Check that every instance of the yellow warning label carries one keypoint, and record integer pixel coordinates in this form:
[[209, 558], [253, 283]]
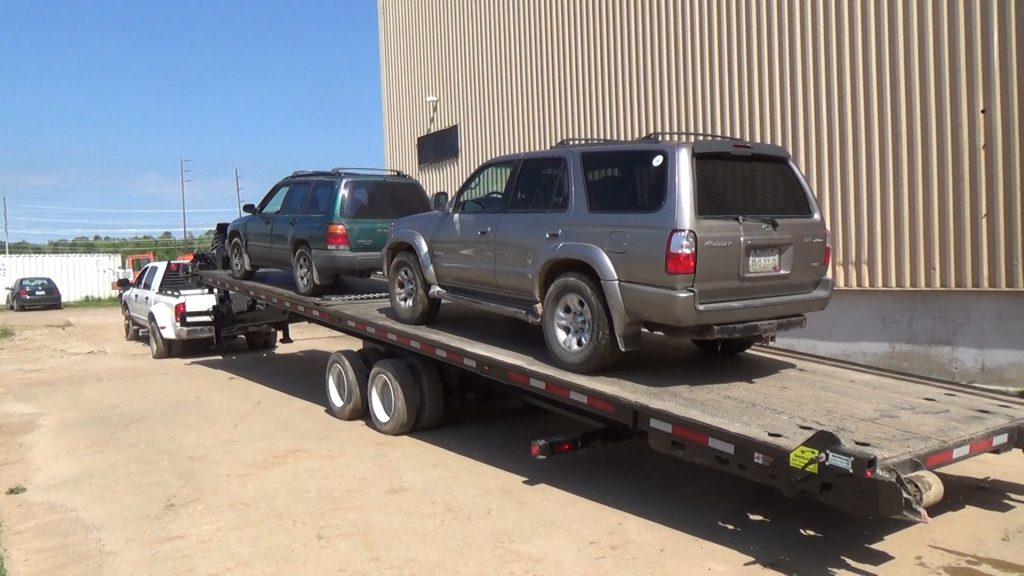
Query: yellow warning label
[[805, 459]]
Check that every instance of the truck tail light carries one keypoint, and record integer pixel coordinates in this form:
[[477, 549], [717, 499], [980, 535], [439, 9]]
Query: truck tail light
[[337, 237], [179, 311], [681, 252], [828, 249]]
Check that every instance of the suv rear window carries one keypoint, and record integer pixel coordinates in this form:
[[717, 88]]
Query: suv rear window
[[383, 200], [744, 186], [625, 180]]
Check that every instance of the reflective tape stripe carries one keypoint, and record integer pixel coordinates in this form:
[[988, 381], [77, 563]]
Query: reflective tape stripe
[[972, 449], [693, 436]]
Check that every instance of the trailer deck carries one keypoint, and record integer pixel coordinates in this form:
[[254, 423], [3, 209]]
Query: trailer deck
[[804, 424]]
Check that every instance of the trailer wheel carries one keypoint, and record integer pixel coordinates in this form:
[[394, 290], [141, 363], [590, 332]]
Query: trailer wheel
[[257, 340], [239, 271], [724, 347], [577, 327], [408, 291], [346, 380], [394, 397], [431, 392], [158, 347]]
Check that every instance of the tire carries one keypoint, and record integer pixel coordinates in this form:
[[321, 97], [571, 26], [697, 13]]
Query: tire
[[219, 249], [431, 392], [371, 355], [237, 259], [408, 292], [577, 327], [346, 379], [724, 347], [256, 340], [158, 347], [131, 331], [17, 307], [393, 397], [303, 270]]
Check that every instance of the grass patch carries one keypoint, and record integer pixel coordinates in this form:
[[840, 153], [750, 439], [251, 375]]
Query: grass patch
[[93, 302], [6, 331], [16, 489]]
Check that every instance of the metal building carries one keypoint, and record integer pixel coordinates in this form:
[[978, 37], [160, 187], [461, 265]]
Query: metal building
[[904, 115]]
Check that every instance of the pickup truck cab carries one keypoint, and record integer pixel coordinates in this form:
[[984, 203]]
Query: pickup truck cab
[[169, 303]]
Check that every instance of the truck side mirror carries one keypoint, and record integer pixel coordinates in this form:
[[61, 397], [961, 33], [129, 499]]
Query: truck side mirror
[[249, 208], [123, 284], [440, 201]]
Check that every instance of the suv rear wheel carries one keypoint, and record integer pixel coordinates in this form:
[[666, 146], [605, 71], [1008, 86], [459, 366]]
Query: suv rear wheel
[[408, 292], [577, 327], [237, 256], [305, 275]]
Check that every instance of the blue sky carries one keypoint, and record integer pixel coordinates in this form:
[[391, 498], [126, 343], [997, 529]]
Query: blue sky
[[101, 99]]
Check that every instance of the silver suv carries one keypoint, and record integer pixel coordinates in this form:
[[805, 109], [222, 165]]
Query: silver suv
[[714, 239]]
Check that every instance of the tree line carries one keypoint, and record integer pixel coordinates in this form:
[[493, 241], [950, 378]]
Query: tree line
[[164, 247]]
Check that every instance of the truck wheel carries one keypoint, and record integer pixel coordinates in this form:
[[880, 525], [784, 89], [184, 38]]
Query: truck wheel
[[257, 340], [408, 292], [393, 397], [431, 392], [158, 347], [131, 332], [302, 269], [577, 327], [725, 346], [346, 380], [237, 256]]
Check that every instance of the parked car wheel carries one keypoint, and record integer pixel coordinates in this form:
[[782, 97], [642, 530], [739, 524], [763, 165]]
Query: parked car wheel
[[237, 255], [408, 293], [304, 273], [724, 347], [17, 307], [346, 379], [393, 397], [577, 327]]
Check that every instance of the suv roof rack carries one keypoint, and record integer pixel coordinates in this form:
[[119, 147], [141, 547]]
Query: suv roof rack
[[661, 135], [308, 172], [351, 170], [579, 141]]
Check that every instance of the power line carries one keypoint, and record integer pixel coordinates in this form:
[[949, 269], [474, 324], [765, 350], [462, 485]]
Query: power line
[[38, 207], [38, 231]]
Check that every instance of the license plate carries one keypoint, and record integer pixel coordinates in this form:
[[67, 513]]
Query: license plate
[[764, 260], [40, 292]]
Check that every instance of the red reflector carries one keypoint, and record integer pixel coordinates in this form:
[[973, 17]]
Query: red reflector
[[563, 447], [179, 310], [337, 236], [173, 267], [534, 449], [869, 473], [681, 252]]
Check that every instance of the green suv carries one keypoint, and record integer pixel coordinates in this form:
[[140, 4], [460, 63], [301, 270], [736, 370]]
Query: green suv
[[321, 224]]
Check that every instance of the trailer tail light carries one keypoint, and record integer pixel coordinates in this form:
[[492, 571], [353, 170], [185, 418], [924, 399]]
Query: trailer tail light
[[337, 237], [179, 311], [828, 249], [681, 252]]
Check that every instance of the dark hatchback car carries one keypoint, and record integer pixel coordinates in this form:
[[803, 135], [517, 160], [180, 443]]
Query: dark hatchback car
[[33, 293], [323, 224]]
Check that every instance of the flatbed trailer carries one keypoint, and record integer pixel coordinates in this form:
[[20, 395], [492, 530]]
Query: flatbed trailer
[[862, 440]]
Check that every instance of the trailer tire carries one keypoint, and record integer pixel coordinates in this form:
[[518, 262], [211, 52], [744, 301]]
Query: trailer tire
[[724, 347], [346, 379], [239, 270], [158, 347], [257, 340], [431, 392], [393, 396], [408, 291], [577, 326]]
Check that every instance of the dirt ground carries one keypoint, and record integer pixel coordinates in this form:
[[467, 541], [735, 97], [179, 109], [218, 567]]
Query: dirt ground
[[227, 463]]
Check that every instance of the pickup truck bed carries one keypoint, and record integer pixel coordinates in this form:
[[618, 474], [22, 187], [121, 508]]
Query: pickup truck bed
[[807, 425]]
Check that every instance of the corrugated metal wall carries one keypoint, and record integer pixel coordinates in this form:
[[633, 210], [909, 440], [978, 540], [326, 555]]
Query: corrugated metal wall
[[76, 275], [905, 115]]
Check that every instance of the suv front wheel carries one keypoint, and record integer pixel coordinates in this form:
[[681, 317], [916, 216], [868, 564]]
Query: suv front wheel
[[577, 327], [408, 292]]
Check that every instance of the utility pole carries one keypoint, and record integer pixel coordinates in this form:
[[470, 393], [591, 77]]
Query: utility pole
[[7, 238], [238, 195], [184, 227]]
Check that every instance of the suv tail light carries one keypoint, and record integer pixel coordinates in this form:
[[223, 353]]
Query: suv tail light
[[337, 237], [828, 249], [681, 252], [179, 311]]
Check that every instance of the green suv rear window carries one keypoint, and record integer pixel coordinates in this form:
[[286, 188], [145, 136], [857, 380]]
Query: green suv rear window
[[748, 186], [383, 200], [625, 180]]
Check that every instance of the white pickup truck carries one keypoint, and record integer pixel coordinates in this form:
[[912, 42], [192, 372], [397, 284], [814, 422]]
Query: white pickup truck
[[172, 306]]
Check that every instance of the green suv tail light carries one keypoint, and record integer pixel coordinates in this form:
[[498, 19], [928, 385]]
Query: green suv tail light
[[681, 252], [337, 237]]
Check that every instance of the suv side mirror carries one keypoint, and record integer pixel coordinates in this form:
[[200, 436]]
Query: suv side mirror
[[249, 208], [123, 284], [440, 201]]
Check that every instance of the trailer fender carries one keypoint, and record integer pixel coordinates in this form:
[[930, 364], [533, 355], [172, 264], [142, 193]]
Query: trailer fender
[[405, 239]]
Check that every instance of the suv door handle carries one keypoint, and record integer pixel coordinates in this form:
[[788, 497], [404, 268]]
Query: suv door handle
[[292, 221], [553, 234], [483, 232]]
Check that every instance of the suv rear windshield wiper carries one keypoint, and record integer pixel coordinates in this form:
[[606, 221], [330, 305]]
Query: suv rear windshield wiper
[[741, 218]]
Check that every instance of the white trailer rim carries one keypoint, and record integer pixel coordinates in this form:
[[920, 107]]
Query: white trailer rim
[[333, 381], [382, 398]]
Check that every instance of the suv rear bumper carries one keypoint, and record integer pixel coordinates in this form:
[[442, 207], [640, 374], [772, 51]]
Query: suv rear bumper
[[645, 304], [331, 262]]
